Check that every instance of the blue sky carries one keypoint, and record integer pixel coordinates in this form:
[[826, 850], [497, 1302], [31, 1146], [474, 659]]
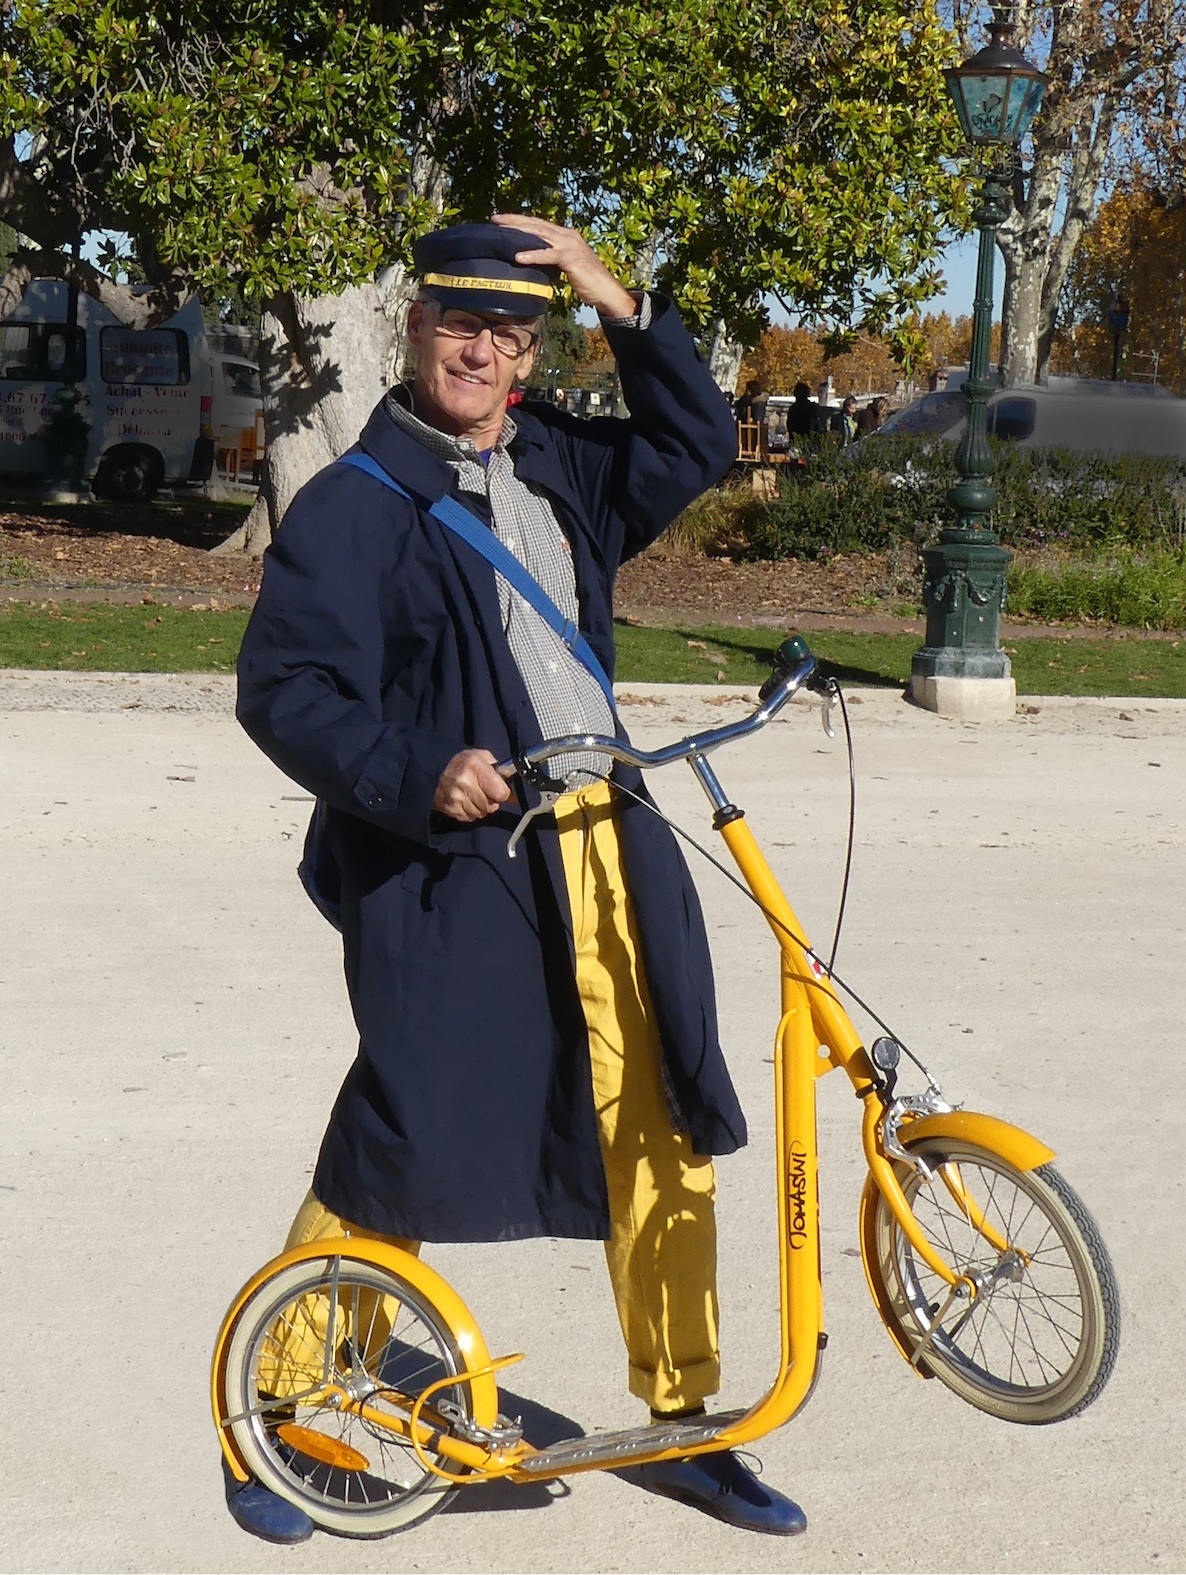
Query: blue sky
[[959, 268]]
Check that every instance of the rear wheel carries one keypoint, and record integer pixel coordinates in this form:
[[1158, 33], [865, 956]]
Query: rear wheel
[[311, 1333], [1038, 1342], [130, 475]]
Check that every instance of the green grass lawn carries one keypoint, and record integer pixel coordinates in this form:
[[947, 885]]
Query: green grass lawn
[[1041, 667], [157, 639], [94, 637]]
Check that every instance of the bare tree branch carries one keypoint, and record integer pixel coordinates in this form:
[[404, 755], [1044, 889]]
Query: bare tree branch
[[135, 306]]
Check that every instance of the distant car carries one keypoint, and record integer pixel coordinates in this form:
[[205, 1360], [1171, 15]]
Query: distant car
[[1083, 415], [238, 416]]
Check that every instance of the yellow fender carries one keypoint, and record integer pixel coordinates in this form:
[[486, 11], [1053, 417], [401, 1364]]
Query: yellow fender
[[969, 1126], [425, 1281], [1022, 1150]]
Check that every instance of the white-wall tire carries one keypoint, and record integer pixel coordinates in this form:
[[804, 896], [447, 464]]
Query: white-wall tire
[[395, 1491]]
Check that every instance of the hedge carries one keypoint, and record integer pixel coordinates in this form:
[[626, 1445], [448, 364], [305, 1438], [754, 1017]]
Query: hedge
[[889, 489]]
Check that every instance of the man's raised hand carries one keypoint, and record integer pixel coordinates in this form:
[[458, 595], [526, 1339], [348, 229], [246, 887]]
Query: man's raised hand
[[569, 251]]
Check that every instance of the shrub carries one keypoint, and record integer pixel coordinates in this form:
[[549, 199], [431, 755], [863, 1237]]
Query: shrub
[[852, 501], [719, 521], [1085, 501], [890, 489], [1141, 590]]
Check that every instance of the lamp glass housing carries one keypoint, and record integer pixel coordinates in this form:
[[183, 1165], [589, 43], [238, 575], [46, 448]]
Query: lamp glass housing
[[997, 92]]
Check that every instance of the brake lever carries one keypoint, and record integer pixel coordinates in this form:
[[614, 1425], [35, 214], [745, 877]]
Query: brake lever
[[829, 699], [548, 788], [547, 801]]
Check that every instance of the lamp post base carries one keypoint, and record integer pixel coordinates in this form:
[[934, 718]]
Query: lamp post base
[[961, 672], [965, 699]]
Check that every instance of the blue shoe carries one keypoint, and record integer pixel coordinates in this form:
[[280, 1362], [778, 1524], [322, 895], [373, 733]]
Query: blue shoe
[[256, 1509], [721, 1485]]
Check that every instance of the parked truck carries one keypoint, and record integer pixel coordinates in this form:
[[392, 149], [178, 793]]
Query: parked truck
[[140, 405]]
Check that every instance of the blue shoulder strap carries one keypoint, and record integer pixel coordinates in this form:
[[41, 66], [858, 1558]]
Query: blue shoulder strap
[[462, 523]]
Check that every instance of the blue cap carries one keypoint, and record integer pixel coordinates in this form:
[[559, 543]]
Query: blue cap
[[473, 266]]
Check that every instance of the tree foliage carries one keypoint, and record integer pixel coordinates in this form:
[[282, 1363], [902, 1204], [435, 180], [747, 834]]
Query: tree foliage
[[861, 364], [1135, 249], [786, 356], [729, 148], [1114, 67]]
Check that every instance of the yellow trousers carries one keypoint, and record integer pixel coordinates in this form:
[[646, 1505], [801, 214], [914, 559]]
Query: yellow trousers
[[662, 1249]]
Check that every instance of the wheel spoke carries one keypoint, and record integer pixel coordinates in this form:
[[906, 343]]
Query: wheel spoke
[[1030, 1345], [369, 1320]]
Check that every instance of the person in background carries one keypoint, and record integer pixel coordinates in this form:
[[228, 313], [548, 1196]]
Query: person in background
[[849, 421], [751, 405], [871, 418], [749, 412], [803, 418]]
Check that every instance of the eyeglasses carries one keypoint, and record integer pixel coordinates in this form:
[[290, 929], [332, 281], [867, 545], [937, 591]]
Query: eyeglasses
[[510, 339]]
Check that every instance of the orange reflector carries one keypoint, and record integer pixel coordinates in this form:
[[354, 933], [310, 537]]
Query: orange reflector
[[330, 1451]]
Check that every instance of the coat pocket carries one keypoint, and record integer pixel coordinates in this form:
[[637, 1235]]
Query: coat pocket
[[421, 881]]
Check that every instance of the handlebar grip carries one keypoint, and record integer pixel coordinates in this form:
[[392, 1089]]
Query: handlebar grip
[[787, 657]]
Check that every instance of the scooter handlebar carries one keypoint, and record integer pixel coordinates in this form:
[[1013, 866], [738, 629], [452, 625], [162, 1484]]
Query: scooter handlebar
[[794, 670]]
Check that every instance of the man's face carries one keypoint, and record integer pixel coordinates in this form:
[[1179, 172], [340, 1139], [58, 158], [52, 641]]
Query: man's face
[[462, 384]]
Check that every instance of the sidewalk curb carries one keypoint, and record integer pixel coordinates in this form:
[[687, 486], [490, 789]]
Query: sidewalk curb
[[213, 694]]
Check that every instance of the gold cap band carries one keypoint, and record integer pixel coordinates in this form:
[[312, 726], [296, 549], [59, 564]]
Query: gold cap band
[[456, 281]]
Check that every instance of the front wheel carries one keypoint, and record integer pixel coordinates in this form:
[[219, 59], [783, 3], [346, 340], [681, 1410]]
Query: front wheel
[[1038, 1342], [314, 1337]]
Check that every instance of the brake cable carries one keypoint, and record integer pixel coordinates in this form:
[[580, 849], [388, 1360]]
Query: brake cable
[[773, 918], [835, 689]]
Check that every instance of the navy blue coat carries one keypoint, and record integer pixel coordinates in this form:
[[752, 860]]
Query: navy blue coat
[[376, 653]]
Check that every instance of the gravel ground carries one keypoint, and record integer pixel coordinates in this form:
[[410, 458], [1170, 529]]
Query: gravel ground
[[173, 1028], [208, 694], [685, 706]]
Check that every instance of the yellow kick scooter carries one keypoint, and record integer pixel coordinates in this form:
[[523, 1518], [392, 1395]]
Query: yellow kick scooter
[[351, 1380]]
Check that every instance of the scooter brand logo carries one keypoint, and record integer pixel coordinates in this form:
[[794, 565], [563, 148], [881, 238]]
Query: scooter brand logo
[[798, 1196]]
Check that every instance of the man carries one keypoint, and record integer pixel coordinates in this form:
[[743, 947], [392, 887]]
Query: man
[[749, 412], [751, 405], [803, 417], [538, 1049]]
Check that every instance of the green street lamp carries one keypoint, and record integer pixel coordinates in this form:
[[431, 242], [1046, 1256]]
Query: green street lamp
[[961, 670]]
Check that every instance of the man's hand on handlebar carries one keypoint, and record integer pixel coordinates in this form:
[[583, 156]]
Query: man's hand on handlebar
[[470, 788]]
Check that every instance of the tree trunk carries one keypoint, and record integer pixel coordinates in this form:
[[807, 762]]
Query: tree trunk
[[323, 364], [397, 291], [724, 360], [1083, 184], [1039, 238], [1025, 241]]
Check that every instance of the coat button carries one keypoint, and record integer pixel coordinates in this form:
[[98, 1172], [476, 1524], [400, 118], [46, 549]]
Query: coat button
[[376, 801]]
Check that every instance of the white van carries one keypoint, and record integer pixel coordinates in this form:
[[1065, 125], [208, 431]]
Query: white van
[[1084, 415], [146, 394]]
